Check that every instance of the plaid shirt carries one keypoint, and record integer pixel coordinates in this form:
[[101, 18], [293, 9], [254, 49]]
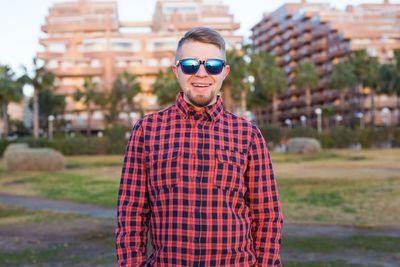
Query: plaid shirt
[[202, 182]]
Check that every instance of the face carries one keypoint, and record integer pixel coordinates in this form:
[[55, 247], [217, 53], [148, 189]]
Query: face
[[200, 89]]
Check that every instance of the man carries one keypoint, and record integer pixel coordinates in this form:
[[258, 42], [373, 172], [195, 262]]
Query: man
[[197, 176]]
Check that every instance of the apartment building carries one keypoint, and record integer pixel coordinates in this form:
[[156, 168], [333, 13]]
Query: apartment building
[[86, 39], [316, 32]]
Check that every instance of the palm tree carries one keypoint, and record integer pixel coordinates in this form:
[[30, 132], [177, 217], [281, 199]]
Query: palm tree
[[234, 86], [10, 91], [40, 80], [306, 78], [123, 91], [373, 81], [342, 76], [269, 80], [89, 96], [166, 87], [390, 78]]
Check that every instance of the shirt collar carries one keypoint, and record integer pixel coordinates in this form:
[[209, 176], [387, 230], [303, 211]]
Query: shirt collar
[[214, 110]]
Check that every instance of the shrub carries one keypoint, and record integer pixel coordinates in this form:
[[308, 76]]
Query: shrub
[[14, 147], [33, 159], [343, 137], [325, 140], [272, 135], [304, 145], [300, 132], [376, 137], [116, 138], [3, 145], [396, 137]]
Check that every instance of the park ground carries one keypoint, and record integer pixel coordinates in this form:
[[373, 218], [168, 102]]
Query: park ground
[[341, 208]]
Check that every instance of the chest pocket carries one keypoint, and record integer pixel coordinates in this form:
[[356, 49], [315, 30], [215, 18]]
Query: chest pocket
[[229, 170], [164, 168]]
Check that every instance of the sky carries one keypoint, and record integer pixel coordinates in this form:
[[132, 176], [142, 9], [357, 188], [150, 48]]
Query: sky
[[20, 21]]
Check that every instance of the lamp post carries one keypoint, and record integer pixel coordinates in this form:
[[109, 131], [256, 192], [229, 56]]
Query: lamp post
[[318, 111], [386, 116], [303, 120], [338, 119], [288, 122], [361, 117], [51, 119]]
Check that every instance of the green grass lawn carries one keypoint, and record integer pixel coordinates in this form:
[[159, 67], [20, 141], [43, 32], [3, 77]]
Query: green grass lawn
[[337, 186]]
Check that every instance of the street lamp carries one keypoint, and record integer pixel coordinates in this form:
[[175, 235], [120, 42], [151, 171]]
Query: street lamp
[[51, 119], [386, 116], [361, 117], [338, 119], [318, 111], [303, 120], [288, 122]]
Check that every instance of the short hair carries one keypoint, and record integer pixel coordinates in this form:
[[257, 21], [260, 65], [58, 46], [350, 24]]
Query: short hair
[[202, 35]]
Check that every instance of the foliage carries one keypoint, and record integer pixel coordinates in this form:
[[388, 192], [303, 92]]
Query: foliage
[[375, 137], [342, 137], [272, 135], [120, 99], [306, 75], [10, 91], [40, 80], [237, 74], [116, 137], [166, 87]]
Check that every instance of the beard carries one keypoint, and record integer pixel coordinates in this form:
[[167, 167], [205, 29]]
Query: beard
[[201, 101]]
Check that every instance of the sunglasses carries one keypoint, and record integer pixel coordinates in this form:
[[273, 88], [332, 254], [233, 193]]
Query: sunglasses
[[191, 66]]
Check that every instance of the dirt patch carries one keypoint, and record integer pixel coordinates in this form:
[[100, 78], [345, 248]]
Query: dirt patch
[[80, 242]]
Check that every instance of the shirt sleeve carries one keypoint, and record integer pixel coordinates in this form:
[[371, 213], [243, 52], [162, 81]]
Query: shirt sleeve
[[262, 198], [133, 205]]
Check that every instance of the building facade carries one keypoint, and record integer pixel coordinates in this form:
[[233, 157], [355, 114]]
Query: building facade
[[316, 32], [87, 39]]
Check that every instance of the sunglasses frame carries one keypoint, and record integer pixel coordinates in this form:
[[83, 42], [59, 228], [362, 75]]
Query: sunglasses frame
[[179, 62]]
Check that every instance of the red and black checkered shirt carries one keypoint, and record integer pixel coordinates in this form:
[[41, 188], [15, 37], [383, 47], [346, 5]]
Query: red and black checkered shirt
[[202, 182]]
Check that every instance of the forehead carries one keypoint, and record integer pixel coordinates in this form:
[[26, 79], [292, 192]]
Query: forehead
[[198, 50]]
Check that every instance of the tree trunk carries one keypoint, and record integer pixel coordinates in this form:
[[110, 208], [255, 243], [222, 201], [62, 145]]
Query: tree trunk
[[89, 119], [243, 102], [35, 113], [274, 108], [5, 119], [398, 108], [372, 108], [308, 106], [342, 102]]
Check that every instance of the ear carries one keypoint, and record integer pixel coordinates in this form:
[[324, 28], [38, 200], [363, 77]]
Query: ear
[[226, 71], [175, 70]]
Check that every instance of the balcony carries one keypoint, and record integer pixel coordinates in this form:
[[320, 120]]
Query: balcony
[[320, 45], [319, 58], [76, 71]]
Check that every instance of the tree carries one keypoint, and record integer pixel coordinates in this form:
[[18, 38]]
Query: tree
[[342, 76], [234, 86], [269, 80], [89, 97], [10, 91], [120, 99], [390, 77], [40, 80], [166, 87], [306, 78], [50, 104]]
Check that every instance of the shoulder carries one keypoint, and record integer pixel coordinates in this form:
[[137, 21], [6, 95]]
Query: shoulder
[[156, 116], [242, 122]]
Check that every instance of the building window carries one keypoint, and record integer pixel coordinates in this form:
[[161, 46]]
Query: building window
[[57, 47], [95, 63], [94, 45]]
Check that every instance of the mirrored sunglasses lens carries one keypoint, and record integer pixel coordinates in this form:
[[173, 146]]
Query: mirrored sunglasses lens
[[190, 66], [214, 66]]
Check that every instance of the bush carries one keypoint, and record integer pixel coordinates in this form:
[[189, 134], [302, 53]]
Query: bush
[[325, 140], [377, 137], [304, 145], [116, 138], [396, 137], [343, 137], [22, 158], [272, 135], [3, 145]]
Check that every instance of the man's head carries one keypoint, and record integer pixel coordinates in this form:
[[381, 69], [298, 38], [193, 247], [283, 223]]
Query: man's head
[[201, 78]]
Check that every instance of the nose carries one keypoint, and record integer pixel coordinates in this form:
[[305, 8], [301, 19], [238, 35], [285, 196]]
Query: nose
[[202, 71]]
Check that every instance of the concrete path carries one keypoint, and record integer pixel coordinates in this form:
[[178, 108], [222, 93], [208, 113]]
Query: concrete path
[[35, 203]]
